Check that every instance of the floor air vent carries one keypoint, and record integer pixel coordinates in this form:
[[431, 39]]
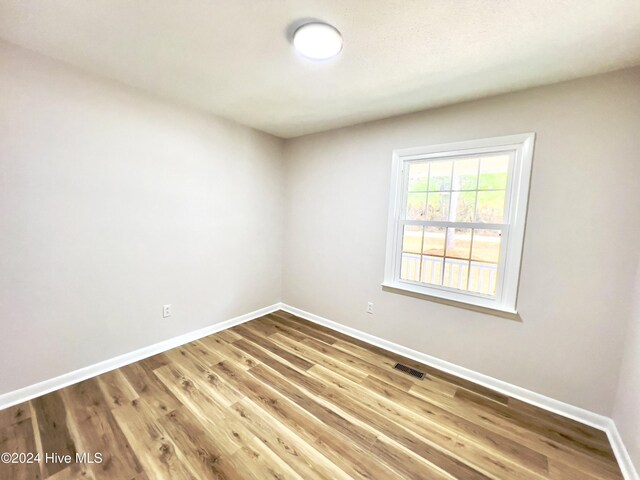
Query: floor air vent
[[410, 371]]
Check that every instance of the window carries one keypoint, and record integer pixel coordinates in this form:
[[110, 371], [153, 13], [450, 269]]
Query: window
[[457, 218]]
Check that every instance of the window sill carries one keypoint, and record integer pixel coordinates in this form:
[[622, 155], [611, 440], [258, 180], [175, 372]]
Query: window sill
[[453, 299]]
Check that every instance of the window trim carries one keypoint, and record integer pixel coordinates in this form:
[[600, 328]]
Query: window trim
[[521, 146]]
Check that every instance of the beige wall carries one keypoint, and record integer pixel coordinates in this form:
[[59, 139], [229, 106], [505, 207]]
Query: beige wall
[[626, 412], [580, 250], [113, 204]]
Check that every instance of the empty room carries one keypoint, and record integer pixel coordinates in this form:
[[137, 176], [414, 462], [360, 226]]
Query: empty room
[[329, 239]]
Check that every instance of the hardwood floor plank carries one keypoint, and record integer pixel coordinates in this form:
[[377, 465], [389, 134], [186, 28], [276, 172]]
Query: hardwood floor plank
[[317, 357], [228, 336], [552, 432], [381, 353], [467, 385], [330, 418], [203, 453], [147, 386], [337, 448], [291, 448], [585, 432], [488, 418], [285, 316], [281, 327], [356, 460], [272, 348], [389, 361], [262, 328], [466, 429], [409, 466], [201, 353], [116, 389], [309, 331], [155, 450], [12, 415], [265, 464], [51, 418], [562, 471], [18, 438], [356, 432], [223, 348], [203, 372], [155, 361], [392, 377], [141, 476], [204, 404], [73, 472], [95, 431], [438, 445]]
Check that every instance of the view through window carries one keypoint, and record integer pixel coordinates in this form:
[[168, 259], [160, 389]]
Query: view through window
[[460, 206], [456, 220]]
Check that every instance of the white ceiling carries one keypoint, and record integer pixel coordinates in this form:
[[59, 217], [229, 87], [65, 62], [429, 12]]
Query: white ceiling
[[233, 58]]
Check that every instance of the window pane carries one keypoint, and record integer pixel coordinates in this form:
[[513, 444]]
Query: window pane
[[412, 239], [410, 269], [440, 176], [458, 243], [486, 245], [493, 172], [490, 207], [438, 206], [483, 278], [431, 270], [433, 241], [465, 174], [416, 206], [418, 176], [463, 206], [455, 273]]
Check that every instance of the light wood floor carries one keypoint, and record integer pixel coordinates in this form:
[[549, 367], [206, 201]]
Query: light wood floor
[[281, 398]]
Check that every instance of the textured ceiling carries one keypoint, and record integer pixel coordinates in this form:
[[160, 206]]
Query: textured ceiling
[[233, 57]]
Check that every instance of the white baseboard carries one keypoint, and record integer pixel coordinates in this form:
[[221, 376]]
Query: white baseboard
[[561, 408], [32, 391], [622, 455]]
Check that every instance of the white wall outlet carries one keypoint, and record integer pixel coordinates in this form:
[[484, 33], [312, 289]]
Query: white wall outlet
[[166, 311], [370, 307]]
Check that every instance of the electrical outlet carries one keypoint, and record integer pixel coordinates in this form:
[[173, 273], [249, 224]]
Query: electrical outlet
[[166, 311], [370, 307]]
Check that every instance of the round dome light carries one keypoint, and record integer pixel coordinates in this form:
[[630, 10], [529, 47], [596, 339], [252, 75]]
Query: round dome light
[[317, 41]]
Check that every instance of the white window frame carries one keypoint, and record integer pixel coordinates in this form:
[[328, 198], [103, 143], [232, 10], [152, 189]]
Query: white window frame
[[520, 148]]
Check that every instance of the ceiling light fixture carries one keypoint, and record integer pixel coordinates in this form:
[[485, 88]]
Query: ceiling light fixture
[[317, 41]]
